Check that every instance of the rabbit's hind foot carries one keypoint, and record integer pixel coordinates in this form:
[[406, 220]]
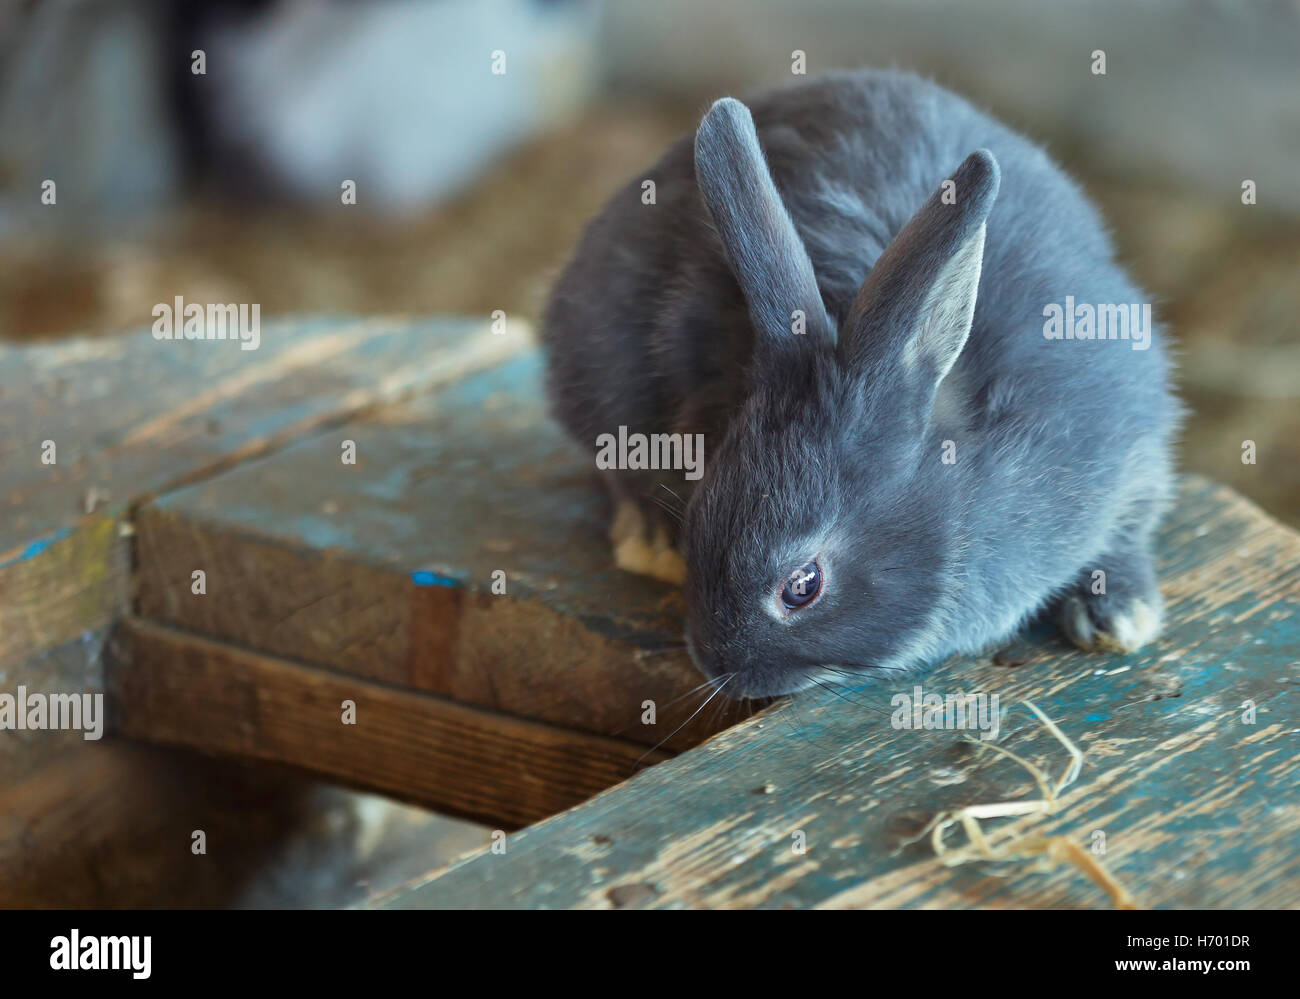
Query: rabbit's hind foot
[[642, 544]]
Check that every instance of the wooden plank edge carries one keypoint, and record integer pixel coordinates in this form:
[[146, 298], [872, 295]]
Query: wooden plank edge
[[334, 609], [61, 587], [172, 687]]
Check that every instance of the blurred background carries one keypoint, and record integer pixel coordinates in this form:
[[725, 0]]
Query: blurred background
[[200, 149]]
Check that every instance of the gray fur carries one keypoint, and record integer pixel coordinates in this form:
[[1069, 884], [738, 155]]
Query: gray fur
[[830, 444]]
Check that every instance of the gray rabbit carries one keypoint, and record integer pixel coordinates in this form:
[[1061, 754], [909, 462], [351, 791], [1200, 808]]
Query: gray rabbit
[[927, 409]]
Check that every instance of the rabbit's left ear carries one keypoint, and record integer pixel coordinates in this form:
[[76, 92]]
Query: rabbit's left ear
[[767, 256], [913, 313]]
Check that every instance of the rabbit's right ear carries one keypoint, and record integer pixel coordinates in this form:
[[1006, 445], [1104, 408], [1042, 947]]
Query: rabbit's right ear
[[767, 256]]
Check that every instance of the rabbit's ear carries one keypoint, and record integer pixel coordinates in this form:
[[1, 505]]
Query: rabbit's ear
[[913, 313], [767, 256]]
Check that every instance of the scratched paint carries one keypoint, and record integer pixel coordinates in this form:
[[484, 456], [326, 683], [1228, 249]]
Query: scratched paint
[[37, 547], [424, 578], [518, 378], [1197, 810], [418, 499]]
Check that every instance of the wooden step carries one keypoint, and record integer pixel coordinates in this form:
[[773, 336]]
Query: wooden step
[[456, 576], [131, 417], [464, 555]]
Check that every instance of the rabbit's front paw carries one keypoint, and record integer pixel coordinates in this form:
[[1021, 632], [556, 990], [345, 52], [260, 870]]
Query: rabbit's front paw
[[643, 545], [1125, 616]]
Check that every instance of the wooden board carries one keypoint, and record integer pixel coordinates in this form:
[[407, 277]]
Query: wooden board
[[61, 588], [166, 686], [1197, 808], [377, 572], [72, 667], [131, 417], [385, 569]]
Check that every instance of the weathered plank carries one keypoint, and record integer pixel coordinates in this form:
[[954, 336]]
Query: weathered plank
[[386, 568], [60, 588], [73, 667], [129, 417], [1197, 807], [170, 687]]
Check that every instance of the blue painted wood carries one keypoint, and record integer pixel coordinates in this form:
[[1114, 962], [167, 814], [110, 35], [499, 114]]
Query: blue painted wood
[[130, 417], [392, 568], [1190, 777]]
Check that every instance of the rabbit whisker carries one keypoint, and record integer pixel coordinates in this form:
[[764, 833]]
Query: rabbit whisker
[[674, 495], [675, 514], [716, 692]]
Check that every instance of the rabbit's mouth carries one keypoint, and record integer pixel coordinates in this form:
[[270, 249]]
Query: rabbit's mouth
[[769, 682], [749, 685], [763, 681]]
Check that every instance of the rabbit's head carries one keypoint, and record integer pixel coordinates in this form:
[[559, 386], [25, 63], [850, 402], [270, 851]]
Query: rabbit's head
[[814, 547]]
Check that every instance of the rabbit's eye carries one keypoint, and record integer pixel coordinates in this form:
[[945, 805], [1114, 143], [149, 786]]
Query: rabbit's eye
[[803, 586]]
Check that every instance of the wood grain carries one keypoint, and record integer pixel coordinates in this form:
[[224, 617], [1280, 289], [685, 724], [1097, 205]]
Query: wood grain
[[1198, 808], [167, 686], [132, 417], [386, 568], [73, 585]]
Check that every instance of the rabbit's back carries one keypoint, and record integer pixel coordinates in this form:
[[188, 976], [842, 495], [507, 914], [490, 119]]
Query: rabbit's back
[[647, 326]]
